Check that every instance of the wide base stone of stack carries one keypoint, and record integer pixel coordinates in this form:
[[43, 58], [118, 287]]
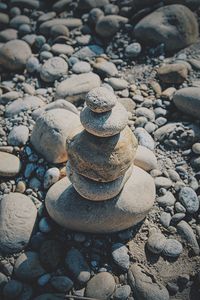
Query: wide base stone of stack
[[70, 210]]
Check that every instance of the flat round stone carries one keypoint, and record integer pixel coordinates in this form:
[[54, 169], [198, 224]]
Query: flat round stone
[[100, 100], [105, 124], [102, 159], [94, 190], [67, 208], [9, 165]]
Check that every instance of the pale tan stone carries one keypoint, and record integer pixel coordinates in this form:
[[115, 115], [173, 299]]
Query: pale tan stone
[[51, 132], [102, 159]]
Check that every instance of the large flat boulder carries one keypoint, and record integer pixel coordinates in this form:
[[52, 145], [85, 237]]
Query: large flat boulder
[[67, 208]]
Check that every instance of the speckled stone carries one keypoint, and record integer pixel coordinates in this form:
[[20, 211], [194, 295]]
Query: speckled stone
[[105, 124], [100, 100]]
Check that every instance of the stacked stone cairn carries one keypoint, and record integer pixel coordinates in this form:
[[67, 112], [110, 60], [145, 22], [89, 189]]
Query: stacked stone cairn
[[104, 192]]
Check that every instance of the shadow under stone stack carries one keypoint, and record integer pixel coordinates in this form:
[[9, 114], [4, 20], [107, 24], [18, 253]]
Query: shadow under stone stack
[[104, 191]]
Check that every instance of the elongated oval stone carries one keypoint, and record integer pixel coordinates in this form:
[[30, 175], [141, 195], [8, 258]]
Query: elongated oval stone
[[94, 190], [10, 165], [17, 220]]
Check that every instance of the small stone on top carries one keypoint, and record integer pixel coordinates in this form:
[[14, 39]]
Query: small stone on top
[[100, 100]]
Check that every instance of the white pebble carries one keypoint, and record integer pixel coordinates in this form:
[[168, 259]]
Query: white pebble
[[51, 176]]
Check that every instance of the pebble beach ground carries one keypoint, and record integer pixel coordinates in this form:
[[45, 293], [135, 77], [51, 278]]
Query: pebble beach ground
[[52, 53]]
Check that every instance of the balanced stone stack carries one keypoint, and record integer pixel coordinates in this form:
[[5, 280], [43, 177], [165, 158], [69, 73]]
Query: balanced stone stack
[[104, 191]]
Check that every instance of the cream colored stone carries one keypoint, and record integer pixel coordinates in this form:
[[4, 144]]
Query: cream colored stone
[[10, 165], [145, 159], [102, 159], [51, 132]]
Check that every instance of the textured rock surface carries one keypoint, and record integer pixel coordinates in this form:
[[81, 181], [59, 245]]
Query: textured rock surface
[[173, 25], [7, 35], [120, 256], [18, 136], [144, 138], [144, 287], [123, 211], [173, 248], [105, 124], [17, 220], [52, 128], [100, 99], [107, 165]]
